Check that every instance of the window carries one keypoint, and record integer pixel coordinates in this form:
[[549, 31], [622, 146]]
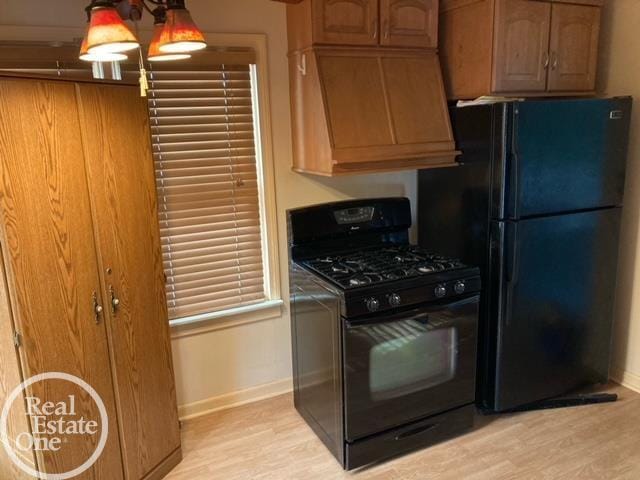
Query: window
[[206, 143]]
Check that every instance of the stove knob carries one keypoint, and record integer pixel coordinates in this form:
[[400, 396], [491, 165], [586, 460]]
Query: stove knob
[[372, 304], [440, 291], [394, 300], [460, 287]]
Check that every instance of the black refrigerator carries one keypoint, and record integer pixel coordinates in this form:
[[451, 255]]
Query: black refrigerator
[[536, 204]]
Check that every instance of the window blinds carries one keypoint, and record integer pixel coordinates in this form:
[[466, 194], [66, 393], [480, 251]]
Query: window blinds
[[202, 126]]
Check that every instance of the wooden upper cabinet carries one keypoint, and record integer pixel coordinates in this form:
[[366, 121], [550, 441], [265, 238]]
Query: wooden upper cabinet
[[575, 30], [409, 23], [369, 110], [349, 22], [394, 23], [521, 46]]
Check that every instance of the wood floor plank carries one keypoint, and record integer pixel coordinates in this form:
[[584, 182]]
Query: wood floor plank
[[268, 440]]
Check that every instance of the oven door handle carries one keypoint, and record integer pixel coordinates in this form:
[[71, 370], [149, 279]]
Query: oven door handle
[[418, 314]]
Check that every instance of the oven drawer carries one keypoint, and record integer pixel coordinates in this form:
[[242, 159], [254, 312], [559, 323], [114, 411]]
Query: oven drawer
[[410, 437]]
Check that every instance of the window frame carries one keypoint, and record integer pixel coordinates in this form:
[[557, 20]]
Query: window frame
[[272, 306]]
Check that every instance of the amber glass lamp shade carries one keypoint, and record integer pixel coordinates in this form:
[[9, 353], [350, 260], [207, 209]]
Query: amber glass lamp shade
[[155, 55], [99, 57], [180, 34], [108, 33]]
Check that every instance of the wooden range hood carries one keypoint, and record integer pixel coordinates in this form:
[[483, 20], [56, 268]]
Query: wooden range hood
[[363, 108]]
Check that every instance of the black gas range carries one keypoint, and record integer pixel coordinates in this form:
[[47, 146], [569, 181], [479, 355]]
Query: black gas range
[[384, 332]]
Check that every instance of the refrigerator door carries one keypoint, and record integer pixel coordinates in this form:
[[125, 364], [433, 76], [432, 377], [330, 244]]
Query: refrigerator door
[[566, 155], [554, 305]]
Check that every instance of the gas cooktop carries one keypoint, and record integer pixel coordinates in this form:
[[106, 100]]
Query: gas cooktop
[[381, 264]]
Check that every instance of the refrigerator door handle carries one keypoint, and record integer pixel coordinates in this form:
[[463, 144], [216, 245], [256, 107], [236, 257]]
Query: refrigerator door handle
[[514, 168], [512, 268], [514, 181]]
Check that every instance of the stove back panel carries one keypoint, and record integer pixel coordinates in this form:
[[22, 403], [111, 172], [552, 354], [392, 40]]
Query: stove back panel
[[343, 225]]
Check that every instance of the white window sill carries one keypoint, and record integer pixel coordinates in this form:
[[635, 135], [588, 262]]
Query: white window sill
[[209, 322]]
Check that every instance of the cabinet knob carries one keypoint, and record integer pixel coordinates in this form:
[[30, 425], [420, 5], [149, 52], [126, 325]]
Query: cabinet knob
[[115, 301], [302, 66], [97, 308]]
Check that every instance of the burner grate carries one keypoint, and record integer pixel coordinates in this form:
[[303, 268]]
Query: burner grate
[[381, 265]]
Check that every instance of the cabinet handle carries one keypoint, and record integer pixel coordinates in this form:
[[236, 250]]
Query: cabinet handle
[[115, 301], [386, 29], [302, 66], [97, 308], [546, 60], [554, 65], [374, 27]]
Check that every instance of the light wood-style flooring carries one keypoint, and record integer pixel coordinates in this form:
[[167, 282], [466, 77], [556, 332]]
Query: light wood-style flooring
[[267, 440]]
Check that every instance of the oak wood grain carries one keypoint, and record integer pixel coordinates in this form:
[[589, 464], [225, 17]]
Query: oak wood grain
[[519, 48], [50, 259], [409, 23], [466, 48], [368, 109], [345, 22], [521, 41], [117, 147], [575, 32], [10, 378]]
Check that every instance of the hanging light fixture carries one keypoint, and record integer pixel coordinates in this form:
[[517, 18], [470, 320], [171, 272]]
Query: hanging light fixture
[[107, 31], [155, 55], [180, 33], [99, 56]]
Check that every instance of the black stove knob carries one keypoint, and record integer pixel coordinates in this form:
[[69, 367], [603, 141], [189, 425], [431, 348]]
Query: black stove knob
[[394, 300], [460, 287], [372, 304], [440, 291]]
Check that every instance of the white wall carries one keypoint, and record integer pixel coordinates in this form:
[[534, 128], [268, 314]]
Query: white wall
[[222, 362], [620, 75]]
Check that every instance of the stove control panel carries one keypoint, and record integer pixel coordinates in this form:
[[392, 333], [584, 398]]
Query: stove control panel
[[406, 297]]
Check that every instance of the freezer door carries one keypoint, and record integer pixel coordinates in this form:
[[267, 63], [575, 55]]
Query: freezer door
[[566, 155], [555, 305]]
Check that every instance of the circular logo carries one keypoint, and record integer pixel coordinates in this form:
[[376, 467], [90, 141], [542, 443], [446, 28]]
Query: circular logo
[[36, 408]]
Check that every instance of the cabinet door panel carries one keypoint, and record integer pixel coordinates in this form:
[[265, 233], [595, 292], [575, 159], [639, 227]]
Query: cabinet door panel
[[121, 177], [418, 108], [346, 22], [49, 252], [574, 47], [350, 83], [410, 23], [521, 46]]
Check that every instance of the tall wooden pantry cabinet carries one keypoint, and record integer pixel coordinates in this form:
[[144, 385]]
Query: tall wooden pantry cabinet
[[82, 283]]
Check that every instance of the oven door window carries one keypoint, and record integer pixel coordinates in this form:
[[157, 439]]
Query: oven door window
[[408, 357]]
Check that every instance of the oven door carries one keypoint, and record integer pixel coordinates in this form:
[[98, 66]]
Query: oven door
[[405, 366]]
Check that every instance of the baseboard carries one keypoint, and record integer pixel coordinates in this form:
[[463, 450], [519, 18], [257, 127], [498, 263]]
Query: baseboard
[[626, 379], [235, 399]]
